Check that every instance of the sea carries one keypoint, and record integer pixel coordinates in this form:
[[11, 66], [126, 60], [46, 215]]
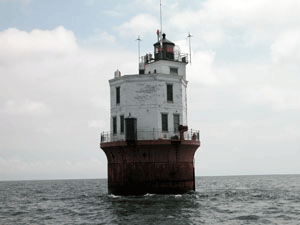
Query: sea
[[268, 199]]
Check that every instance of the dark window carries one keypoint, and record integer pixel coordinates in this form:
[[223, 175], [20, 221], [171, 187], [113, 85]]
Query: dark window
[[164, 122], [173, 70], [114, 125], [122, 124], [176, 119], [169, 92], [118, 95]]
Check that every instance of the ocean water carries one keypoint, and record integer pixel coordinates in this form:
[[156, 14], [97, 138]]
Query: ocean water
[[273, 199]]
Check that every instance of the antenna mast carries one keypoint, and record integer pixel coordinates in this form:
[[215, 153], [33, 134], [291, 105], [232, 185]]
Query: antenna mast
[[139, 50], [160, 33], [190, 46], [160, 18]]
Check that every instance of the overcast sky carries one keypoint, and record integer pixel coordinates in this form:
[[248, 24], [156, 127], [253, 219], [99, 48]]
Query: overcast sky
[[56, 58]]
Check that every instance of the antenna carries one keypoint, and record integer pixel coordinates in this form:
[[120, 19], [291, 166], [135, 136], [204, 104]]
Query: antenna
[[139, 50], [160, 33], [160, 18], [190, 46]]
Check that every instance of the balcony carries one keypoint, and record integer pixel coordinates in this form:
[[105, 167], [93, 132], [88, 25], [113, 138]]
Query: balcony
[[143, 134], [176, 57]]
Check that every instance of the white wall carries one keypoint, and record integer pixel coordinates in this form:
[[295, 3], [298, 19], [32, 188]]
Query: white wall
[[145, 97], [163, 66]]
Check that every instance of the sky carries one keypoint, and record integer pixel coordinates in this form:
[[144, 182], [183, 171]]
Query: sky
[[56, 58]]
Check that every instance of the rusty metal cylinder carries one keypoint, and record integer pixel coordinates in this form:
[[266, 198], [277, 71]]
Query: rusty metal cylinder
[[158, 166]]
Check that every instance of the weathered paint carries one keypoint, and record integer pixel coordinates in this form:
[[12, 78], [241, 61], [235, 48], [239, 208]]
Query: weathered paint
[[145, 97], [157, 166]]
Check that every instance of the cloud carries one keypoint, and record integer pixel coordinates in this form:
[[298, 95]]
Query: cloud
[[202, 69], [26, 107], [238, 124], [101, 38], [54, 98], [97, 124], [113, 13], [276, 97], [286, 48], [292, 132], [242, 90], [255, 21], [16, 44], [25, 2], [139, 24], [89, 2]]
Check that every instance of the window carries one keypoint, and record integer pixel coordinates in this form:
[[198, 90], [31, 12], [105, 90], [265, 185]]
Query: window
[[164, 122], [114, 125], [169, 92], [118, 95], [173, 70], [176, 120], [122, 124]]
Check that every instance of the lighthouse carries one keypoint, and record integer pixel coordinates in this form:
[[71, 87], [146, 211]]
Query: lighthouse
[[149, 147]]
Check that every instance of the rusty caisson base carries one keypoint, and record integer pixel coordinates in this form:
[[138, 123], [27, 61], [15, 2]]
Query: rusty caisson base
[[150, 166]]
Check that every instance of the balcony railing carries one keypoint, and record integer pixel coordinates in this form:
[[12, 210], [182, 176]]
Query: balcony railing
[[177, 58], [151, 135]]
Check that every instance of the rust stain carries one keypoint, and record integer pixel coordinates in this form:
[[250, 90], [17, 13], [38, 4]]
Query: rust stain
[[156, 166]]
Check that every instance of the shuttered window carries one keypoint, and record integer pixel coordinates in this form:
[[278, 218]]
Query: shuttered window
[[114, 125], [164, 122], [118, 95], [173, 70], [122, 124], [169, 92]]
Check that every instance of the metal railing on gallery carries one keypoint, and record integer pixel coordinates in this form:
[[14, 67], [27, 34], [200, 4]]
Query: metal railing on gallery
[[151, 135]]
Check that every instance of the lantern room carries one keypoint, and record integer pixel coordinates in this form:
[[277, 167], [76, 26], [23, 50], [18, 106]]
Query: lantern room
[[164, 49]]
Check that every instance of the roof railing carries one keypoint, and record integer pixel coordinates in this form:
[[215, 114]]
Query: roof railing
[[177, 58], [151, 135]]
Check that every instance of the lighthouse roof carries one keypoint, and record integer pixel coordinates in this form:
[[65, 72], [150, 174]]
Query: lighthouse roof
[[164, 41]]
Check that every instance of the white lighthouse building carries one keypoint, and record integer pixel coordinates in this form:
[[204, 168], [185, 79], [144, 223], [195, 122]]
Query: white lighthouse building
[[149, 147], [156, 97]]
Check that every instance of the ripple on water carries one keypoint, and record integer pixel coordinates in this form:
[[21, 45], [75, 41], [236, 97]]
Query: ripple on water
[[218, 200], [247, 217]]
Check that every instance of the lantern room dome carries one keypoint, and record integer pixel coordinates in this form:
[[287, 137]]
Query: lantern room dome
[[164, 41]]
